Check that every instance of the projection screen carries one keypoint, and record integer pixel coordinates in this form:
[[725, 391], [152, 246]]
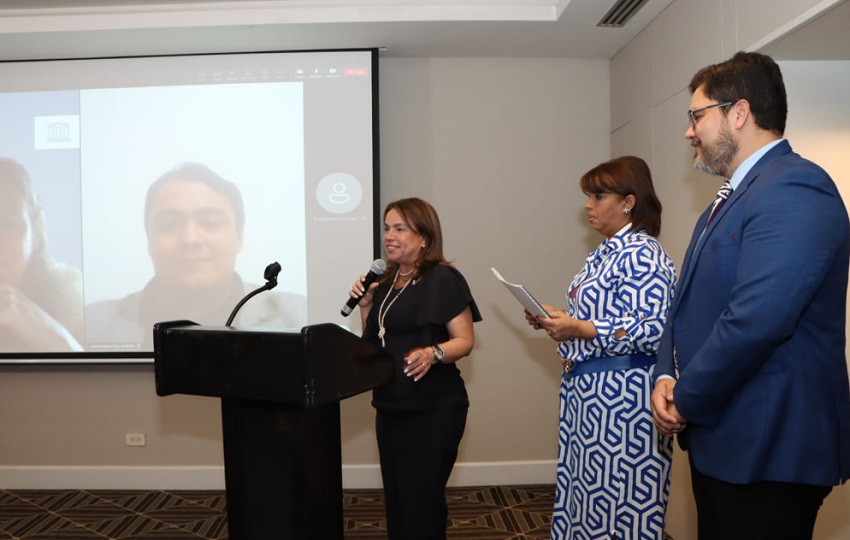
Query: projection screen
[[146, 189]]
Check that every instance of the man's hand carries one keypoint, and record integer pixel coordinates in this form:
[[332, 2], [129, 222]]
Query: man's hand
[[31, 324], [667, 418]]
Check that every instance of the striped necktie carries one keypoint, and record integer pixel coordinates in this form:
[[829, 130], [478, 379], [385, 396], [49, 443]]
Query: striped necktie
[[722, 195]]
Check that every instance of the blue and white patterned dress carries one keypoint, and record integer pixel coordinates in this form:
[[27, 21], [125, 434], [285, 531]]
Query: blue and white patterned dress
[[613, 465]]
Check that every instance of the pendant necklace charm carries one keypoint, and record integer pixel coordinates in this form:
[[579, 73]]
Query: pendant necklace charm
[[382, 313]]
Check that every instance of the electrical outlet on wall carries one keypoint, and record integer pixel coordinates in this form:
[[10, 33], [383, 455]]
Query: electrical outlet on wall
[[134, 439]]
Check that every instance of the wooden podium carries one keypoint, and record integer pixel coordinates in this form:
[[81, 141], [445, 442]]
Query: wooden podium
[[280, 394]]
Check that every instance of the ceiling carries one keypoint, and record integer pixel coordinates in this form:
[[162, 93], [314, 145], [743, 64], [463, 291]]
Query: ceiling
[[36, 29], [32, 29]]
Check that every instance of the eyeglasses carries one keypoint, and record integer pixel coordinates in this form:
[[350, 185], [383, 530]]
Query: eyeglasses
[[692, 112]]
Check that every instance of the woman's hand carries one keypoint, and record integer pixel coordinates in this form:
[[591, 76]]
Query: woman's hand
[[417, 362], [358, 290], [532, 320], [365, 295], [560, 326], [557, 325]]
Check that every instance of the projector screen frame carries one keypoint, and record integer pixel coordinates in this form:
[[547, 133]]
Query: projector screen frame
[[146, 357]]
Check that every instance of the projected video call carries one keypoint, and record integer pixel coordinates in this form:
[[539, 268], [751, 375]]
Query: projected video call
[[123, 205]]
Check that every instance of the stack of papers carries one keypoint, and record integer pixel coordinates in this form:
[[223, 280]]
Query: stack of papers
[[525, 298]]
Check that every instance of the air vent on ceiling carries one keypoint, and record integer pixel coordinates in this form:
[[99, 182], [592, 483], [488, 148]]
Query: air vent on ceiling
[[620, 13]]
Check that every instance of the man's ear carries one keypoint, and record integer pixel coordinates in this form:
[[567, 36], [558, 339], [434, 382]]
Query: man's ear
[[741, 113]]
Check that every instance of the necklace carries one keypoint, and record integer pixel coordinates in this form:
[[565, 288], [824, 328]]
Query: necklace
[[382, 313], [405, 274]]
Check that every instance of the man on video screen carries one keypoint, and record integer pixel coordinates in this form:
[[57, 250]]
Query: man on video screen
[[194, 221]]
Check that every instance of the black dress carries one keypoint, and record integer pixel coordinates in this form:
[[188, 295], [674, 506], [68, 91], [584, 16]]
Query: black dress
[[419, 424]]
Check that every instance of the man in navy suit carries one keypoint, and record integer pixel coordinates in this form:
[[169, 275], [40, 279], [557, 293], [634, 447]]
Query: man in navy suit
[[751, 369]]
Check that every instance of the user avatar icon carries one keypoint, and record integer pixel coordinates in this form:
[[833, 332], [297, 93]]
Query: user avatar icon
[[339, 193], [339, 196]]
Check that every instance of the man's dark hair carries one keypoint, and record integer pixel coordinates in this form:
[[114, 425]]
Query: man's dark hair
[[751, 76], [203, 174]]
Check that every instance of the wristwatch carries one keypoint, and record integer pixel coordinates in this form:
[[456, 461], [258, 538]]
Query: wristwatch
[[439, 354]]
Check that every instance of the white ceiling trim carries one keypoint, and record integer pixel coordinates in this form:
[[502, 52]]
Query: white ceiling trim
[[264, 13]]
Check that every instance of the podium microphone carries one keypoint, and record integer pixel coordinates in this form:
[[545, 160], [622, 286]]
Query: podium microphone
[[270, 275], [377, 269]]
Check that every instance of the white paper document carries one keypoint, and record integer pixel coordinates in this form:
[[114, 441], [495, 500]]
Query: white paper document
[[525, 298]]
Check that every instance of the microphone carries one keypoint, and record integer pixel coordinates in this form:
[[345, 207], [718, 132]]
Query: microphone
[[270, 275], [377, 269]]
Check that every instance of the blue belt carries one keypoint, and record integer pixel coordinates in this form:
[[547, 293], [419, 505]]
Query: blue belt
[[608, 363]]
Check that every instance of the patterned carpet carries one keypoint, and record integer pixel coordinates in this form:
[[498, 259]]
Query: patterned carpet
[[483, 513]]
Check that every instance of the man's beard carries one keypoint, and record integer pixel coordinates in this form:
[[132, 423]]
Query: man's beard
[[717, 157]]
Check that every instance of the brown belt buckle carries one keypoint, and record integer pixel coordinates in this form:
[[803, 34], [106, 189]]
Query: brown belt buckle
[[568, 364]]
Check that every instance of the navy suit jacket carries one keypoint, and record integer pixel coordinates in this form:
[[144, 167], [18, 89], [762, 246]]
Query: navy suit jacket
[[758, 330]]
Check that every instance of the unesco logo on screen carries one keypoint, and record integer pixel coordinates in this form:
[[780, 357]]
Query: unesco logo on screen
[[53, 132]]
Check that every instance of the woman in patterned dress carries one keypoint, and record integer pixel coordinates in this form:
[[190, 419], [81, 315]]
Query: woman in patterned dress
[[613, 465]]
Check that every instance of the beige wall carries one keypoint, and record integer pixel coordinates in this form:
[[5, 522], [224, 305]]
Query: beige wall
[[819, 129], [649, 98]]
